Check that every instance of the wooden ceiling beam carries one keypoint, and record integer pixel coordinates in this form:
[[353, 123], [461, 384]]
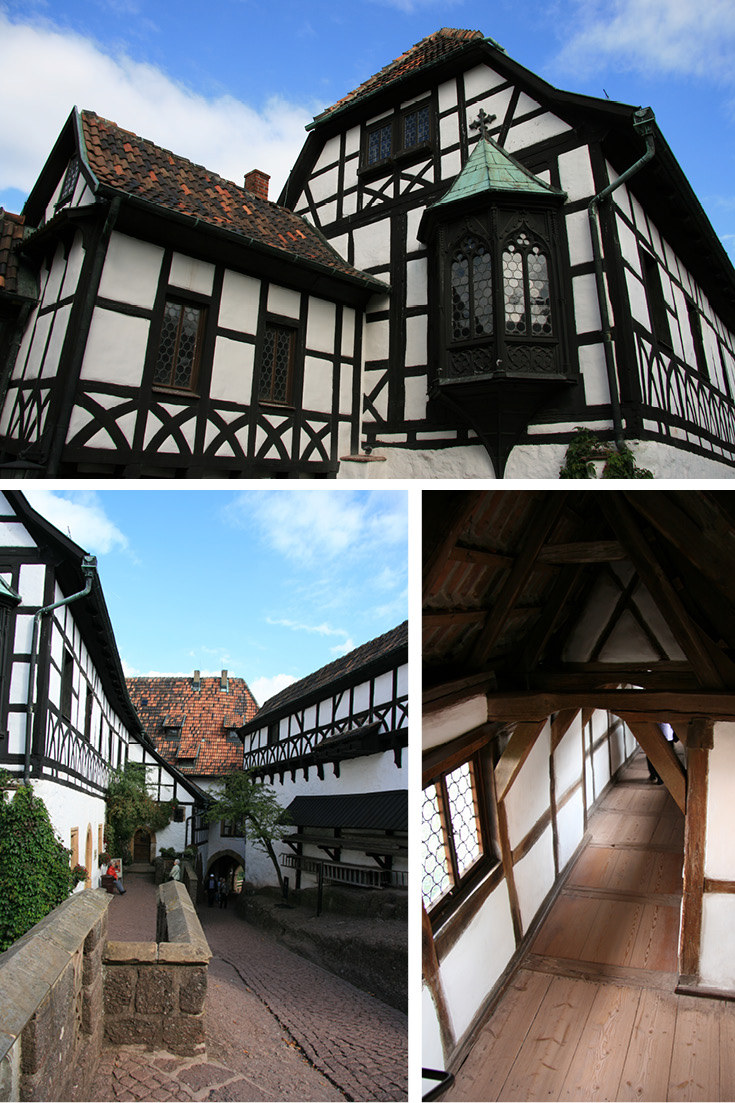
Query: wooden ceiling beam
[[542, 521], [661, 705], [517, 750], [614, 674], [583, 551], [435, 563], [448, 618], [710, 665], [483, 557]]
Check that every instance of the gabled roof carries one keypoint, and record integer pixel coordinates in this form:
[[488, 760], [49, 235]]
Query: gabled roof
[[119, 162], [190, 726], [390, 649], [384, 811], [490, 169], [435, 47]]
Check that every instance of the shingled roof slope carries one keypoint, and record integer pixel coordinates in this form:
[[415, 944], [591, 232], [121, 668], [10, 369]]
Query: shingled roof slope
[[381, 648], [138, 167], [435, 47], [189, 726], [11, 233]]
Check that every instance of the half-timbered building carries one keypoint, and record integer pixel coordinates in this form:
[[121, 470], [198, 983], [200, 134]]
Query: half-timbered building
[[185, 326], [578, 918], [549, 267], [333, 747], [194, 724], [66, 719]]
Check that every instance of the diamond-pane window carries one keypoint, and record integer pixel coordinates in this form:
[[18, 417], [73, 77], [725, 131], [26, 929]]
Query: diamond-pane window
[[178, 348], [454, 832], [70, 182], [276, 367]]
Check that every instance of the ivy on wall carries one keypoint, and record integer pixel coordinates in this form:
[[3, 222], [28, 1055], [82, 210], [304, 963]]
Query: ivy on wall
[[34, 866], [130, 806], [585, 448]]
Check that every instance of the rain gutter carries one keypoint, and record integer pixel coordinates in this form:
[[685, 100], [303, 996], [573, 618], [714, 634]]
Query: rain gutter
[[643, 121], [89, 570]]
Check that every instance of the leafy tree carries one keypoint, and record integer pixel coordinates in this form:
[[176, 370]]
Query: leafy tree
[[256, 807], [35, 876], [130, 806]]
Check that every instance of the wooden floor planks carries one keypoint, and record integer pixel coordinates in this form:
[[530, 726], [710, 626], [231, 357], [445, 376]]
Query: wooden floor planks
[[592, 1014]]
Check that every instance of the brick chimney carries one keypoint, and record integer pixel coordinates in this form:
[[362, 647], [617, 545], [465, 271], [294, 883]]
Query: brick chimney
[[257, 183], [224, 682]]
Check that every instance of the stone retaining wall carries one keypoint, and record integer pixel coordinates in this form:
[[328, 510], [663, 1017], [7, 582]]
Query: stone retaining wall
[[51, 998], [155, 991]]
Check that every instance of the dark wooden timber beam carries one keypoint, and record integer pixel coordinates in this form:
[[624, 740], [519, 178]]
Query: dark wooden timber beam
[[455, 692], [659, 750], [466, 504], [583, 551], [542, 521], [581, 676], [517, 750], [482, 557], [638, 703], [710, 665], [699, 742], [448, 618]]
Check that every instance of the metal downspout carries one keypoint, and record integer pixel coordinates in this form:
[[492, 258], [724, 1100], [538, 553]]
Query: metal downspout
[[643, 121], [89, 570]]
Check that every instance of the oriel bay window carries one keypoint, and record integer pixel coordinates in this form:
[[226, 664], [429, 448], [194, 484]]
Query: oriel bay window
[[456, 839]]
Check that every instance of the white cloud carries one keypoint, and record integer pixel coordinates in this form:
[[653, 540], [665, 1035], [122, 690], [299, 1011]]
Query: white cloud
[[224, 134], [319, 630], [317, 525], [80, 516], [653, 36], [263, 689], [410, 6]]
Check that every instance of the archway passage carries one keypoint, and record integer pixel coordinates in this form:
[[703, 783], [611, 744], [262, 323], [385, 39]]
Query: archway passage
[[142, 846]]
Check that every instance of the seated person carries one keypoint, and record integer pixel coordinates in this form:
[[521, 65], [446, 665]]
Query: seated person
[[112, 872]]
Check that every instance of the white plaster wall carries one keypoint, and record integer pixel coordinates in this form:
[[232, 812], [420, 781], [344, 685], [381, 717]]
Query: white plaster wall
[[131, 271], [570, 827], [232, 371], [416, 398], [73, 266], [282, 300], [67, 809], [440, 727], [465, 462], [717, 948], [377, 335], [476, 961], [173, 835], [239, 302], [580, 641], [372, 244], [594, 375], [534, 877], [416, 338], [602, 768], [529, 796], [320, 325], [115, 351], [575, 173], [317, 391], [191, 275], [568, 758], [719, 859]]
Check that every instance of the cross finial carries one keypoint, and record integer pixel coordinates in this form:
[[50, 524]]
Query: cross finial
[[482, 123]]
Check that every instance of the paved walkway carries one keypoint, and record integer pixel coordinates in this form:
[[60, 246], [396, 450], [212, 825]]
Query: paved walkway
[[278, 1026]]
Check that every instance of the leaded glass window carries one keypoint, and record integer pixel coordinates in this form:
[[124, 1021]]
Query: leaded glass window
[[526, 294], [70, 182], [379, 144], [416, 128], [472, 291], [452, 831], [276, 367], [178, 350]]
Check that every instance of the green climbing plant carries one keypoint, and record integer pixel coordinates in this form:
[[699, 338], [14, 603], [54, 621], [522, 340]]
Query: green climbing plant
[[239, 798], [585, 447], [130, 806], [35, 875]]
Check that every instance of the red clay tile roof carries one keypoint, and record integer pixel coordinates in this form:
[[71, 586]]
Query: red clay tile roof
[[434, 48], [11, 233], [137, 167], [391, 644], [201, 719]]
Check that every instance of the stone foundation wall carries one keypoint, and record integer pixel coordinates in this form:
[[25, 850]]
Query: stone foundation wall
[[51, 999], [155, 991]]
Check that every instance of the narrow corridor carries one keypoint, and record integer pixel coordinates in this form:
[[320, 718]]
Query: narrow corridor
[[592, 1013]]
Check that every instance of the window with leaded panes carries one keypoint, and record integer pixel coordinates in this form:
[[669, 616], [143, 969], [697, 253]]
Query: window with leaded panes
[[455, 832], [276, 366], [401, 136], [472, 290], [526, 296], [179, 346], [70, 182]]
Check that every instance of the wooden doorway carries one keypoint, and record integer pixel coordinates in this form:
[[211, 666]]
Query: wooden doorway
[[142, 845]]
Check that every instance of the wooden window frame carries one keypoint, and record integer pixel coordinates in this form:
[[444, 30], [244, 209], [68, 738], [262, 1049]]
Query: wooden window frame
[[66, 698], [68, 187], [465, 883], [695, 326], [658, 311], [267, 399], [400, 153], [174, 298], [88, 707], [232, 829]]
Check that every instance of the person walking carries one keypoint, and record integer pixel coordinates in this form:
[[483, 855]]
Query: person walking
[[223, 892], [211, 889]]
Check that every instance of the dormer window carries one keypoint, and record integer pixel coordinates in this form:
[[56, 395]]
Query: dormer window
[[404, 136]]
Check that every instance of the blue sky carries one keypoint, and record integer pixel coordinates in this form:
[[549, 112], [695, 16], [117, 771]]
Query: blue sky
[[232, 84], [268, 584]]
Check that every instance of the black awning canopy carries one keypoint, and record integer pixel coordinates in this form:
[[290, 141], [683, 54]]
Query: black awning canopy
[[383, 811]]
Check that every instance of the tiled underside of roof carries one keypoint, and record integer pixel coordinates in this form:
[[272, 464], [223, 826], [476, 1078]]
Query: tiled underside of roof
[[385, 811], [360, 657], [11, 232], [201, 746], [436, 46], [136, 166]]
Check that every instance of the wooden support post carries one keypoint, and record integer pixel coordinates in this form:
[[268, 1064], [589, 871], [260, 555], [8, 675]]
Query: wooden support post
[[517, 750], [432, 977], [699, 743], [661, 753], [506, 855]]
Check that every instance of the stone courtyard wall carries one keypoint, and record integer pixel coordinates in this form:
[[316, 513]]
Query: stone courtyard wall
[[51, 999], [155, 991]]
